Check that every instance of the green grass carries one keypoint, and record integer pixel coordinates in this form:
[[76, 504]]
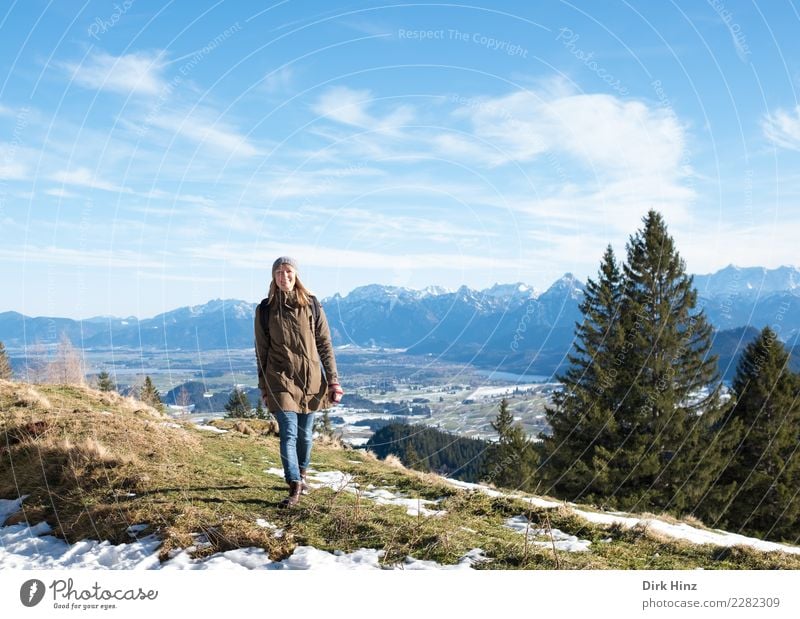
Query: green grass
[[94, 464]]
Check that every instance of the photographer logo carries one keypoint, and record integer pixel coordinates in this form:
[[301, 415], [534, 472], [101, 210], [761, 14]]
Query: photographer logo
[[31, 592]]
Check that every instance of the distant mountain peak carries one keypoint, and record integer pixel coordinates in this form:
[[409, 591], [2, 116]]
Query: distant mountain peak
[[748, 281]]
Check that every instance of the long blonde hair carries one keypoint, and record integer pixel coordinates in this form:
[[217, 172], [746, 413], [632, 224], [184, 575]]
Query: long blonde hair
[[302, 293]]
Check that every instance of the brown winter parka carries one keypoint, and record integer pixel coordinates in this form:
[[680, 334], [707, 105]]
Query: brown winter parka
[[289, 355]]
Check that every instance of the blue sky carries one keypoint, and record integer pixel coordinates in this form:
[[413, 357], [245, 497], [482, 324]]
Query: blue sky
[[155, 155]]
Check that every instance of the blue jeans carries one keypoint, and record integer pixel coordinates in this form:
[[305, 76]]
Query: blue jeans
[[296, 436]]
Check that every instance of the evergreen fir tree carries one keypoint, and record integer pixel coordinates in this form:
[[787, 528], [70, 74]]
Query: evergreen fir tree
[[764, 474], [261, 413], [511, 462], [412, 459], [583, 437], [238, 404], [323, 425], [6, 373], [104, 382], [150, 395], [672, 444], [504, 421]]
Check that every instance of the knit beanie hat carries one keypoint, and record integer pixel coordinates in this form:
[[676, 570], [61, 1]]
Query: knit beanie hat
[[284, 260]]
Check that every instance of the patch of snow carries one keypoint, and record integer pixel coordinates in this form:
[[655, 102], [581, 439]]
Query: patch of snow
[[476, 555], [357, 441], [335, 480], [135, 529], [277, 532], [562, 541], [679, 531], [27, 548], [465, 485], [487, 392], [687, 532], [338, 481], [537, 502], [211, 429]]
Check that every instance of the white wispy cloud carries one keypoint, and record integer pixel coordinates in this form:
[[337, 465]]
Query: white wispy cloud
[[782, 128], [12, 171], [324, 256], [95, 257], [352, 107], [139, 72], [605, 133], [204, 127], [86, 178], [279, 80], [60, 192]]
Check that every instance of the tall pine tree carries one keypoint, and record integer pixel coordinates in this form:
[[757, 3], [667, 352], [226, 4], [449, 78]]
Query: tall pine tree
[[583, 436], [672, 442], [511, 462], [105, 382], [238, 404], [150, 395], [764, 473]]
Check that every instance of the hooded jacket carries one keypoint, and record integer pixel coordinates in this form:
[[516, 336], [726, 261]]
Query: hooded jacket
[[291, 355]]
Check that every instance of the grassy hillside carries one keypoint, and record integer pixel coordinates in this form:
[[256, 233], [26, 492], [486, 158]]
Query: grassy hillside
[[95, 463]]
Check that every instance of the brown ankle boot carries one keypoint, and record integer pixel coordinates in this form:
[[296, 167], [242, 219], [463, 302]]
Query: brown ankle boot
[[295, 487], [304, 482]]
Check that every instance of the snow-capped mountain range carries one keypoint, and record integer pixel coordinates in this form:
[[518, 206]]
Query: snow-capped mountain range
[[509, 325]]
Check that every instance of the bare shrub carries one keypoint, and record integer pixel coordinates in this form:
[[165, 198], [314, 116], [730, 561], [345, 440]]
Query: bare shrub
[[394, 461]]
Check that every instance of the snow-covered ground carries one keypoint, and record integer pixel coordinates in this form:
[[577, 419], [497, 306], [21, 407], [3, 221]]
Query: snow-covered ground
[[338, 481], [23, 547], [32, 547], [562, 541], [680, 531], [493, 392]]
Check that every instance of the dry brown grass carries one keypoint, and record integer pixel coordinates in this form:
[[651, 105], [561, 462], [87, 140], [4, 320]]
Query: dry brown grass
[[66, 445], [24, 395], [394, 462], [325, 440], [250, 427]]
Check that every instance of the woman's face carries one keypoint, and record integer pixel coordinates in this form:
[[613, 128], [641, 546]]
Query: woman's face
[[285, 277]]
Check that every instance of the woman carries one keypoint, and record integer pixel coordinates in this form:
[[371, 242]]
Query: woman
[[292, 339]]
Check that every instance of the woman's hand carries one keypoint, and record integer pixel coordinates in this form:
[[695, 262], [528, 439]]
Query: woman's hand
[[335, 393]]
